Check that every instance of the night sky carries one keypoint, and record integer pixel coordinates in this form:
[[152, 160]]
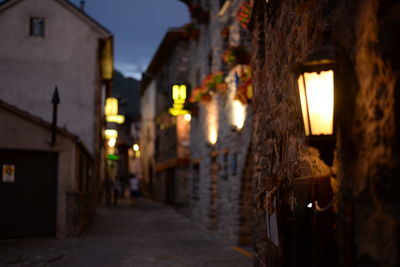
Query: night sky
[[138, 27]]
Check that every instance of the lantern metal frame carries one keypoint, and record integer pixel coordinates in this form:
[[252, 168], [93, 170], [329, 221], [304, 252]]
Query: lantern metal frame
[[324, 143]]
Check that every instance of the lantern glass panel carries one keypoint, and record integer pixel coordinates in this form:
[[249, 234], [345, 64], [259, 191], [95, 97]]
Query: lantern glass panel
[[303, 103], [319, 99]]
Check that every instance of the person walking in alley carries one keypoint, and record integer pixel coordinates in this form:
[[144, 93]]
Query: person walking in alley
[[117, 190], [108, 187], [134, 188]]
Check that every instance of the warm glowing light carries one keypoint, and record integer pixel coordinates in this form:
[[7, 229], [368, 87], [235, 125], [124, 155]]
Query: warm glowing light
[[316, 97], [179, 97], [179, 93], [111, 133], [111, 150], [111, 142], [309, 205], [136, 147], [120, 119], [187, 117], [213, 137], [177, 112], [107, 64], [238, 114], [137, 154], [111, 106], [212, 122]]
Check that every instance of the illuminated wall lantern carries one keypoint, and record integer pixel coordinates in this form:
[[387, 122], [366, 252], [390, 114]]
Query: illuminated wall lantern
[[316, 90], [112, 141], [212, 123], [238, 115], [213, 136], [111, 133], [136, 148]]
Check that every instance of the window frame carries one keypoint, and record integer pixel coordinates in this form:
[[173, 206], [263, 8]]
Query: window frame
[[33, 24]]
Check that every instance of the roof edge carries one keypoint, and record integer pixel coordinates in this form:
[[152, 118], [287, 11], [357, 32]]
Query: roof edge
[[70, 6], [39, 121], [171, 37]]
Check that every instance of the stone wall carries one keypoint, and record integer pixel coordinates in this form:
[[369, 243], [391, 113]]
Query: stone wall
[[216, 181], [170, 181], [367, 153]]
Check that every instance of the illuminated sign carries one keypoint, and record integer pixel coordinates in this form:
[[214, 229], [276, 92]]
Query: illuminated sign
[[112, 157], [179, 97], [120, 119], [111, 106], [111, 111], [111, 133]]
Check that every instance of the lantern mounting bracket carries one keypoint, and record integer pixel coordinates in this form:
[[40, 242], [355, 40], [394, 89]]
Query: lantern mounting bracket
[[325, 145]]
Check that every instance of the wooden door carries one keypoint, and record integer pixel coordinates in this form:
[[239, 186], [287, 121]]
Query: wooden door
[[28, 203]]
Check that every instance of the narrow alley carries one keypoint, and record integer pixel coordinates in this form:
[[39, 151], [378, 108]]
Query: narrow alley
[[149, 234], [259, 133]]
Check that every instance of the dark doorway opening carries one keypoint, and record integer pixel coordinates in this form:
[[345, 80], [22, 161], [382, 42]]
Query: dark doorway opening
[[28, 204]]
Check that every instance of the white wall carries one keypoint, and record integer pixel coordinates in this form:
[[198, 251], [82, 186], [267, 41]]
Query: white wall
[[147, 135], [30, 67], [14, 136]]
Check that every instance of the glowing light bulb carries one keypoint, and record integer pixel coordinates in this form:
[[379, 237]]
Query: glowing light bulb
[[239, 114], [111, 142], [187, 117], [136, 147]]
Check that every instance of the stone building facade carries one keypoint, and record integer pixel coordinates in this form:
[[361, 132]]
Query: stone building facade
[[49, 43], [361, 227], [164, 136], [44, 60], [220, 179], [53, 188], [35, 58]]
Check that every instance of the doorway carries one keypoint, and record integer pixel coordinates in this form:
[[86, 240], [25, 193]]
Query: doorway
[[28, 193]]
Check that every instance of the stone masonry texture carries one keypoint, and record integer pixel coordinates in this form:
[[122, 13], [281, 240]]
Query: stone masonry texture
[[147, 235], [364, 35], [219, 182]]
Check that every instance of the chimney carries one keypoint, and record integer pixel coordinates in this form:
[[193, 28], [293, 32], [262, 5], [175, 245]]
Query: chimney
[[82, 6]]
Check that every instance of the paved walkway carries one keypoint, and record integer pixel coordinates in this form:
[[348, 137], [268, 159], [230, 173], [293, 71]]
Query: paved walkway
[[148, 235]]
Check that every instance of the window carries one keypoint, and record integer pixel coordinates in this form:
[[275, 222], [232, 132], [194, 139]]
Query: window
[[37, 27]]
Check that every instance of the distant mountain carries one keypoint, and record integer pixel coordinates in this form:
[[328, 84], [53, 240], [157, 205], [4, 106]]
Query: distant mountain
[[128, 92]]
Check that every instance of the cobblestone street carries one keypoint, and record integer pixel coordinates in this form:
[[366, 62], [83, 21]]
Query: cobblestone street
[[149, 234]]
